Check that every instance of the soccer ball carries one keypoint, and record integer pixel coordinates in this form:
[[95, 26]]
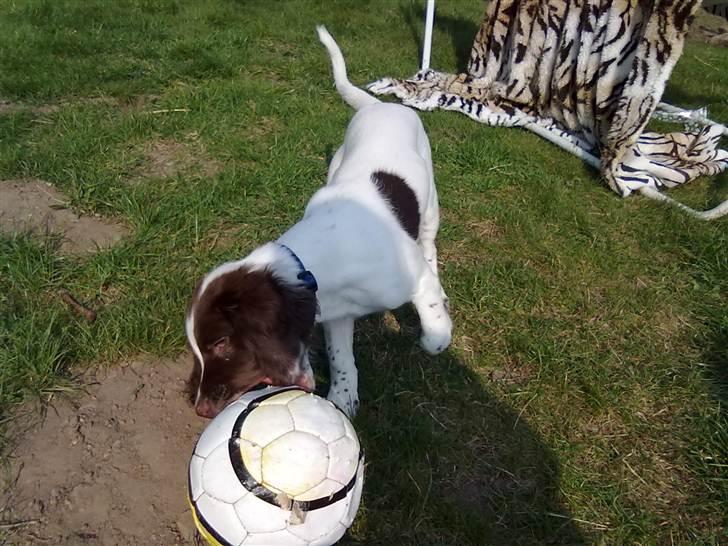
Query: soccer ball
[[277, 466]]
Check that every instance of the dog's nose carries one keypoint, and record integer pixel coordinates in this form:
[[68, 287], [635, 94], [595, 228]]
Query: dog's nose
[[205, 408]]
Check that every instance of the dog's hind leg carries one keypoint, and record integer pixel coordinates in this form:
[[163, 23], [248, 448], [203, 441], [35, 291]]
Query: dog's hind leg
[[431, 304], [430, 221], [428, 231], [344, 379]]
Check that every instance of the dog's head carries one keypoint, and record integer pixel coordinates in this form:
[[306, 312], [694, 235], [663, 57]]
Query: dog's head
[[247, 326]]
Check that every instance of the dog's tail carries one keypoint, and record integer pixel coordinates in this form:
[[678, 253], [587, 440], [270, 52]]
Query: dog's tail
[[352, 95]]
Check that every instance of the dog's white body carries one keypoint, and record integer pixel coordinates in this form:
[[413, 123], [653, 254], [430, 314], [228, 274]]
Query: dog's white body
[[352, 241]]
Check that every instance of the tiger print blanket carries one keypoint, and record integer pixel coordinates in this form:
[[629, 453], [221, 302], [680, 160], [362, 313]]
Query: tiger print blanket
[[585, 73]]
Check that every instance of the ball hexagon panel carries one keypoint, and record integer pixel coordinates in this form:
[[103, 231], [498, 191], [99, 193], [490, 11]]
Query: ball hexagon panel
[[343, 459], [252, 459], [266, 423], [221, 516], [350, 432], [317, 416], [219, 429], [331, 537], [281, 538], [195, 473], [257, 516], [354, 497], [324, 489], [295, 462], [219, 478]]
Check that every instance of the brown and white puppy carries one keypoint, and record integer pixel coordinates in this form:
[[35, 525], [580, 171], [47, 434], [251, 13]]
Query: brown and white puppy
[[367, 240]]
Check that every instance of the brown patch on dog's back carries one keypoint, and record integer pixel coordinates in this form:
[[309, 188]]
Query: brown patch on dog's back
[[402, 199]]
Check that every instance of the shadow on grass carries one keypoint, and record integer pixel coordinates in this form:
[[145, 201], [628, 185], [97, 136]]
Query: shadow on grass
[[718, 191], [715, 357], [447, 461], [462, 31], [681, 97], [710, 272]]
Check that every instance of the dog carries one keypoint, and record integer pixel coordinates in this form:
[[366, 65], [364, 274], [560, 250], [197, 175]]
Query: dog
[[365, 244]]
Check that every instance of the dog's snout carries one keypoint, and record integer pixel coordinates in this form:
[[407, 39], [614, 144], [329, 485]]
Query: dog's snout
[[205, 408]]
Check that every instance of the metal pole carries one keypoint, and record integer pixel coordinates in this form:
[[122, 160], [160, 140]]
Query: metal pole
[[427, 45], [681, 115], [564, 144]]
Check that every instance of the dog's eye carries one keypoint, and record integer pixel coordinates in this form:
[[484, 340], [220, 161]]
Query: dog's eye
[[222, 348]]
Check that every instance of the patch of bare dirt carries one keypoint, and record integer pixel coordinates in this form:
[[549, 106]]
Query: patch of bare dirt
[[708, 28], [512, 374], [108, 466], [37, 206], [167, 158], [142, 103], [486, 230], [263, 126], [11, 107], [225, 237], [390, 322]]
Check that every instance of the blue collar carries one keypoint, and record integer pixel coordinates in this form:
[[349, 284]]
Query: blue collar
[[304, 275]]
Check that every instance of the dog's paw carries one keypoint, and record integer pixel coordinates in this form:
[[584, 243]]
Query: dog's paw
[[435, 344], [344, 399], [437, 339]]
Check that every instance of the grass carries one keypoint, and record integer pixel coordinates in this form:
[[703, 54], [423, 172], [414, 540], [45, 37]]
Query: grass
[[583, 398]]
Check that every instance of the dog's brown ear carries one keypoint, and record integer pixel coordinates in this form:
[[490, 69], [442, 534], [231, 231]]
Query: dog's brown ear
[[230, 306]]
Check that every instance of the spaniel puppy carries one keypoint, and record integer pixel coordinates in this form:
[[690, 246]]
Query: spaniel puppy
[[366, 243]]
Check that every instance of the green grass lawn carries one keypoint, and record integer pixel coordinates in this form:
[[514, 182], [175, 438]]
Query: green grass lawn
[[583, 398]]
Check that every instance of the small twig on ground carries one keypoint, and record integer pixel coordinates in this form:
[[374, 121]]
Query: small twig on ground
[[705, 63], [597, 525], [78, 308], [523, 409], [16, 524], [633, 472], [214, 241], [168, 110]]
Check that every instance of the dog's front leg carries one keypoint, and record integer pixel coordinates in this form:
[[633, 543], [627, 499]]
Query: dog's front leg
[[340, 348], [432, 307]]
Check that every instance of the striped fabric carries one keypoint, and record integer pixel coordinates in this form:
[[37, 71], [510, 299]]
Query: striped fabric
[[587, 74]]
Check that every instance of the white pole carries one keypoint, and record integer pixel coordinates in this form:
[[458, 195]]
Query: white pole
[[564, 144], [711, 214], [647, 191], [678, 115], [427, 45]]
